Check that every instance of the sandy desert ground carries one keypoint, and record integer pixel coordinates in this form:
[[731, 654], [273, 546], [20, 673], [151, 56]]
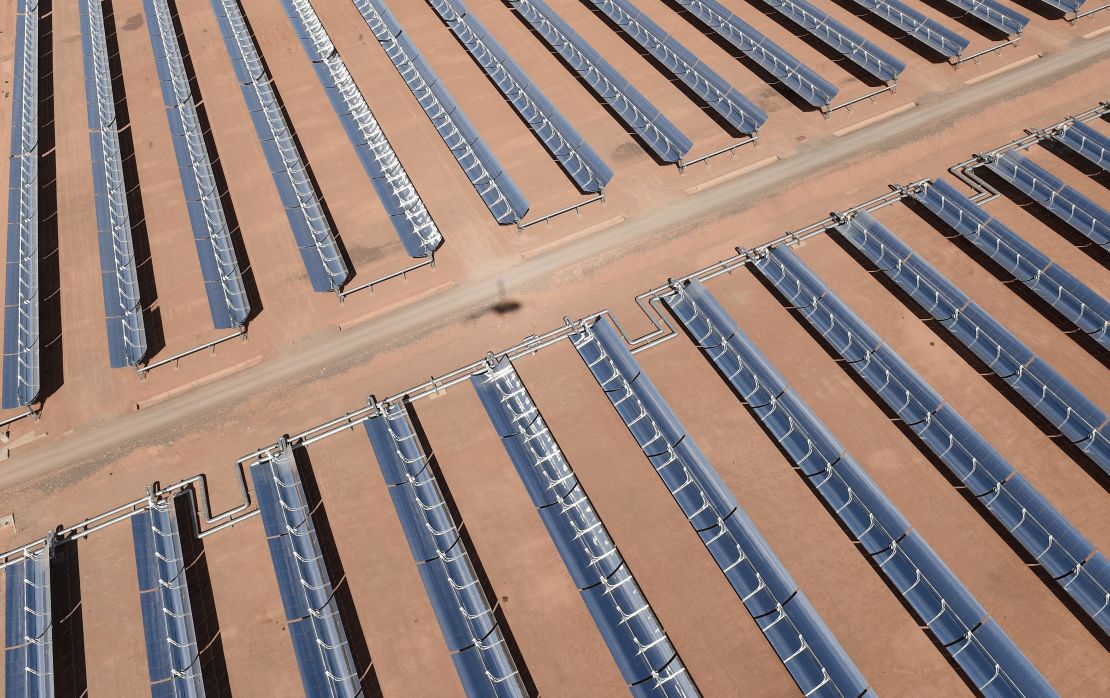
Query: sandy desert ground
[[105, 435]]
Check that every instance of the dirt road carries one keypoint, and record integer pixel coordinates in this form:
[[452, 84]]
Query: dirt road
[[118, 436]]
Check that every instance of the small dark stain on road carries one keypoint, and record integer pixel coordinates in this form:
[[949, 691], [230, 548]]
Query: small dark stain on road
[[501, 307], [133, 22], [505, 307]]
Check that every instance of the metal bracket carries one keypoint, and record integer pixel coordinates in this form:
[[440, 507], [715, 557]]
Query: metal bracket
[[520, 227], [891, 88], [753, 139], [403, 273], [997, 48], [176, 358]]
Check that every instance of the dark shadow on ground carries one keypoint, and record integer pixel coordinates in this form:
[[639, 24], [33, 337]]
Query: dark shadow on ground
[[905, 39], [771, 80], [821, 47], [213, 664], [67, 622], [348, 614], [51, 364], [586, 86], [871, 556], [1047, 218], [946, 9], [1080, 163], [666, 72], [300, 150], [1042, 8]]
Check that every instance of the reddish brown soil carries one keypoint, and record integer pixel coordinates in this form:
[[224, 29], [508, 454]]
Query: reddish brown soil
[[503, 287], [476, 247]]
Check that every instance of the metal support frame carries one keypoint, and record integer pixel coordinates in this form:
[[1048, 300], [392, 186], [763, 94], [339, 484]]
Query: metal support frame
[[154, 493], [1080, 15], [965, 172], [30, 412], [731, 149], [403, 273], [1034, 136], [520, 226], [985, 193], [891, 88], [142, 370], [649, 303], [997, 48]]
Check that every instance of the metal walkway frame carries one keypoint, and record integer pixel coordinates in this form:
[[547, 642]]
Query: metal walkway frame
[[937, 598], [796, 76], [1073, 563], [643, 652], [443, 556], [715, 92], [28, 625], [841, 39], [172, 652], [312, 614], [782, 612]]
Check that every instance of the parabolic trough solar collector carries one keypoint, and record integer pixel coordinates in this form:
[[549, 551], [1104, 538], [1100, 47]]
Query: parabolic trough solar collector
[[713, 91], [643, 652], [410, 218], [581, 163], [497, 189], [658, 134]]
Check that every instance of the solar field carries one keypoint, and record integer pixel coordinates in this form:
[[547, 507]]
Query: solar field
[[564, 347]]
